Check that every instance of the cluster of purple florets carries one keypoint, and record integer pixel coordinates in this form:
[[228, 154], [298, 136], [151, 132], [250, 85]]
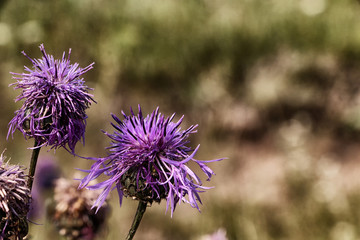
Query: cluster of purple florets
[[55, 99], [148, 156]]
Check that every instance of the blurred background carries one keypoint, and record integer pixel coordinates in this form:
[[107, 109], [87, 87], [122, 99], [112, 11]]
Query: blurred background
[[274, 86]]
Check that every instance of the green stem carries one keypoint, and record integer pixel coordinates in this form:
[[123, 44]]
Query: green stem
[[137, 219], [34, 157]]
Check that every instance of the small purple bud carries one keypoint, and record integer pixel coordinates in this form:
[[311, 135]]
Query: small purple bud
[[47, 172]]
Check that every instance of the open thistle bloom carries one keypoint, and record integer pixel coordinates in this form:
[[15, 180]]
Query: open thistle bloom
[[14, 201], [55, 100], [148, 161]]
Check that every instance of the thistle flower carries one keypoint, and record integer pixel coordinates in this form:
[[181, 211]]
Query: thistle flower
[[14, 201], [55, 100], [72, 213], [148, 161]]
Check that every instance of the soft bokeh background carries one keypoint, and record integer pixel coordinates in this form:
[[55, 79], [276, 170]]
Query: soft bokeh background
[[274, 86]]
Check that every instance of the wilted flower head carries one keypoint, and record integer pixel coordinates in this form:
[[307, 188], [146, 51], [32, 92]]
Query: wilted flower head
[[55, 100], [72, 213], [148, 161], [14, 201]]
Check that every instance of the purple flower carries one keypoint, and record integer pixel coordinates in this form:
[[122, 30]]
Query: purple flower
[[15, 201], [55, 100], [148, 161]]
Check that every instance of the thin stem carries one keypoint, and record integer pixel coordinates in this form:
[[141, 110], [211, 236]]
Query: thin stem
[[137, 219], [34, 157]]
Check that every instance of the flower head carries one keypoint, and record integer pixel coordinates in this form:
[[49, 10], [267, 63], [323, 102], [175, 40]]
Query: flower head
[[148, 161], [55, 100], [71, 212], [14, 201]]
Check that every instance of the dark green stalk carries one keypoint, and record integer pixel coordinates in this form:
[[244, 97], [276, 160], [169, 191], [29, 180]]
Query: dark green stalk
[[34, 157], [137, 219]]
